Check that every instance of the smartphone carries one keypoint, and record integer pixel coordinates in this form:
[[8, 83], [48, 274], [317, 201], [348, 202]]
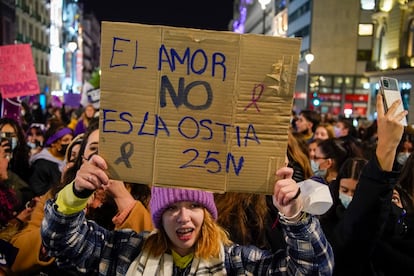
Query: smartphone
[[6, 145], [390, 92]]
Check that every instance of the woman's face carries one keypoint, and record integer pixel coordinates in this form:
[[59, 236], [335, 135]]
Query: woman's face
[[321, 133], [92, 144], [89, 111], [35, 134], [8, 128], [311, 150], [396, 199], [182, 222], [74, 153], [348, 186], [321, 159], [9, 131]]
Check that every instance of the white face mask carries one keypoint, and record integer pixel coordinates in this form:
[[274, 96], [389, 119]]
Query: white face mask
[[13, 143], [337, 131], [345, 199], [316, 170], [402, 157]]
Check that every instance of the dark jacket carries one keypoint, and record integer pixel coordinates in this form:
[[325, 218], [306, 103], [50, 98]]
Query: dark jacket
[[46, 171], [366, 237]]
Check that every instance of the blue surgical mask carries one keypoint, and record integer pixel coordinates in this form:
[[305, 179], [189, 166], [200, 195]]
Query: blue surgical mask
[[314, 166], [13, 143], [317, 171], [31, 145], [345, 199]]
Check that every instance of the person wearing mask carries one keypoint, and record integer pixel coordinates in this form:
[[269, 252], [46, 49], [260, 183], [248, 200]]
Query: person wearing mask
[[35, 137], [48, 164], [404, 150], [31, 258], [187, 240], [329, 156], [370, 237], [342, 191], [11, 130]]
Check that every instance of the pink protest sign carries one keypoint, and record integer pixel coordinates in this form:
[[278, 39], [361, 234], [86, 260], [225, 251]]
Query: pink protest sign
[[17, 72]]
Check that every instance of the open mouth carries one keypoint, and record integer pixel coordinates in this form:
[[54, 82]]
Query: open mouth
[[184, 233]]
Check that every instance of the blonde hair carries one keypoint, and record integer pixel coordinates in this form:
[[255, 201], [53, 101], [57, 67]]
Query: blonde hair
[[329, 129], [207, 245], [235, 214]]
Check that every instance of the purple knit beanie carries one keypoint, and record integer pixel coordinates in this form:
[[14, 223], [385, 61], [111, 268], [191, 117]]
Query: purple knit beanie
[[162, 198]]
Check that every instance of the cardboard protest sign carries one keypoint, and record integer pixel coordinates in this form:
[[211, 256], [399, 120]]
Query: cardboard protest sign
[[17, 72], [194, 108]]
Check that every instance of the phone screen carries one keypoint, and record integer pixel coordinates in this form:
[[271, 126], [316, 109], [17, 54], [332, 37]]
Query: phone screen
[[391, 92]]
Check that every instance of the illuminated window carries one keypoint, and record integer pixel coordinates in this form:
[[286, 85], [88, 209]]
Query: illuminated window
[[365, 29], [367, 5]]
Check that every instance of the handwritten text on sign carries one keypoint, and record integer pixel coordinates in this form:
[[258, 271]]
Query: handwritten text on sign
[[175, 106], [17, 73]]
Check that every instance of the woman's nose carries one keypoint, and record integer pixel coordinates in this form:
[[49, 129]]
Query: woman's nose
[[183, 215]]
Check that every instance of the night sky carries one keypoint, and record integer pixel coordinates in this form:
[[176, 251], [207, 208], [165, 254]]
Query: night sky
[[211, 15]]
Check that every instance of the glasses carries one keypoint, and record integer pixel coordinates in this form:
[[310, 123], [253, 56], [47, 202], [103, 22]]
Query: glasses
[[318, 157]]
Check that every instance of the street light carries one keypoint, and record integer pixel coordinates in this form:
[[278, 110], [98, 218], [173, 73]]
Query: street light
[[263, 4], [72, 47], [309, 57]]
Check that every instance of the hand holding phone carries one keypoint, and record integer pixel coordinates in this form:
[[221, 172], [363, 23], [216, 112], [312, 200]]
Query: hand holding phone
[[390, 92]]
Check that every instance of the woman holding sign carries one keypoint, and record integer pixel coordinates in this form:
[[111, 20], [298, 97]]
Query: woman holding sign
[[188, 240]]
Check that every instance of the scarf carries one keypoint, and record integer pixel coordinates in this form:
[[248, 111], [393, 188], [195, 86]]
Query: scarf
[[148, 265]]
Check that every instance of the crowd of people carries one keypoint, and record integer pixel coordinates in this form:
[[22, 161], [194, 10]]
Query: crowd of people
[[62, 215]]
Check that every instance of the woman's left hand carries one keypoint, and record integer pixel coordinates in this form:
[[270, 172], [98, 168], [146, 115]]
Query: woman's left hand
[[286, 193]]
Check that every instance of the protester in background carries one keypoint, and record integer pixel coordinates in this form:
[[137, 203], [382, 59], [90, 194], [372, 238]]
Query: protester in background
[[307, 122], [13, 217], [324, 131], [293, 119], [297, 158], [312, 145], [344, 127], [35, 137], [404, 150], [19, 163], [47, 165], [368, 239], [329, 156], [13, 207], [85, 118], [32, 258], [72, 153], [342, 191]]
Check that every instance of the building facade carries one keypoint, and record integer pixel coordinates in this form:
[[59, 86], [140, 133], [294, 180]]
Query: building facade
[[65, 43], [352, 43]]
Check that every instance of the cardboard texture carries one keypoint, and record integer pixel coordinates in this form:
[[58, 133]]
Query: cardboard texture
[[194, 108]]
